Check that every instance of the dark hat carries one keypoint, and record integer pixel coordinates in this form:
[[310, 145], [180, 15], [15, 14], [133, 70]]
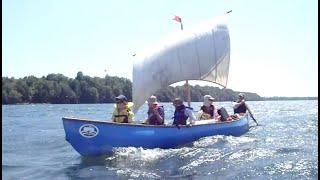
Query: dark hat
[[121, 98]]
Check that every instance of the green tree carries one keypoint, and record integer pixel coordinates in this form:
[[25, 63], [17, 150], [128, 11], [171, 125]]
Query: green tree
[[14, 97], [67, 95], [76, 87], [43, 91], [5, 97], [24, 90], [57, 88], [79, 76], [105, 95]]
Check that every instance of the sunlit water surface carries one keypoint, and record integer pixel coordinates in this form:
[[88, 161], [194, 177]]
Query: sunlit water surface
[[283, 147]]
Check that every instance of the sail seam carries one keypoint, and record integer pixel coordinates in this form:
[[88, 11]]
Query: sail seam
[[215, 53], [228, 60], [180, 66], [197, 53]]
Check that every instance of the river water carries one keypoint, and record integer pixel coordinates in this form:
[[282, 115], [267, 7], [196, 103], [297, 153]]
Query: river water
[[285, 146]]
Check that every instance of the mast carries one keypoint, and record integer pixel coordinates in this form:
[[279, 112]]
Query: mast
[[188, 92]]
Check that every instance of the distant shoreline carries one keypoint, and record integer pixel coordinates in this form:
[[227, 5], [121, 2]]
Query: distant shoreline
[[83, 89], [288, 98], [300, 99]]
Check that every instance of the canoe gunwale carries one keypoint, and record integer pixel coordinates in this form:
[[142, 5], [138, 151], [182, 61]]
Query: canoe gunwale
[[148, 125], [110, 135]]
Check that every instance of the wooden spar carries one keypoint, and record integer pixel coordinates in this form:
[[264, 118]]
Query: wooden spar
[[187, 83]]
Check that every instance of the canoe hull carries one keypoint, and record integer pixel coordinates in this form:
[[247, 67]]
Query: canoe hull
[[92, 138]]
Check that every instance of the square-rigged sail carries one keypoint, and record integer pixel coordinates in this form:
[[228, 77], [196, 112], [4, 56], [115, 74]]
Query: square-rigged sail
[[200, 53]]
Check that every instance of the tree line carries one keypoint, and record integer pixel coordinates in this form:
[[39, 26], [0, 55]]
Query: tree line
[[280, 98], [59, 89]]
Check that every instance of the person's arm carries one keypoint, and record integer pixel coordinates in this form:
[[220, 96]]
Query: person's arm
[[130, 117], [191, 115], [199, 114], [159, 113], [215, 113], [113, 116], [250, 112], [237, 104]]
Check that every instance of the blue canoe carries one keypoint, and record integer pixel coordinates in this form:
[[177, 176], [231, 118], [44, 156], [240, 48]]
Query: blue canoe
[[93, 138]]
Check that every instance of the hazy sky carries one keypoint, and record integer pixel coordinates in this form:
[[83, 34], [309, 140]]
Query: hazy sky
[[274, 43]]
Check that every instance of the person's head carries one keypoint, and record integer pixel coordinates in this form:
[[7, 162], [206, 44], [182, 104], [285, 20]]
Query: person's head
[[121, 101], [207, 100], [177, 102], [241, 96], [152, 101]]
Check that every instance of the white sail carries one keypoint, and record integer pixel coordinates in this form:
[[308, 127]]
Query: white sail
[[201, 53]]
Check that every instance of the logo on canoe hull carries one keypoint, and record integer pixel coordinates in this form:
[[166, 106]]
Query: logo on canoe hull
[[88, 130]]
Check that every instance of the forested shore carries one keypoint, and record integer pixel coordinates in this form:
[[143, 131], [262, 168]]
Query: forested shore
[[59, 89]]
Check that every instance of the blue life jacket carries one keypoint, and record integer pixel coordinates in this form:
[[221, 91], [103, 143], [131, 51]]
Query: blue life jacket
[[180, 118], [241, 109]]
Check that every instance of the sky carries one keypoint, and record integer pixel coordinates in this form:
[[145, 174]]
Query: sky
[[274, 44]]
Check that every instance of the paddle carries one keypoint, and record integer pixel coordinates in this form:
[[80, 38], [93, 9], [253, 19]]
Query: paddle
[[254, 119], [250, 114]]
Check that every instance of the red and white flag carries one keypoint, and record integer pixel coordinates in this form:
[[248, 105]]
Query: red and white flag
[[177, 18]]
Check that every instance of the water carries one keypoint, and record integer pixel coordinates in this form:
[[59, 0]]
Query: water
[[284, 147]]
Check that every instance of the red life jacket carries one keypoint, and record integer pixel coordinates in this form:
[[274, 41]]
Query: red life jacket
[[153, 118]]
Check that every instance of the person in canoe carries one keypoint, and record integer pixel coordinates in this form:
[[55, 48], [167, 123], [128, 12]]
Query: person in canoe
[[123, 112], [182, 113], [208, 110], [240, 107], [155, 112]]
